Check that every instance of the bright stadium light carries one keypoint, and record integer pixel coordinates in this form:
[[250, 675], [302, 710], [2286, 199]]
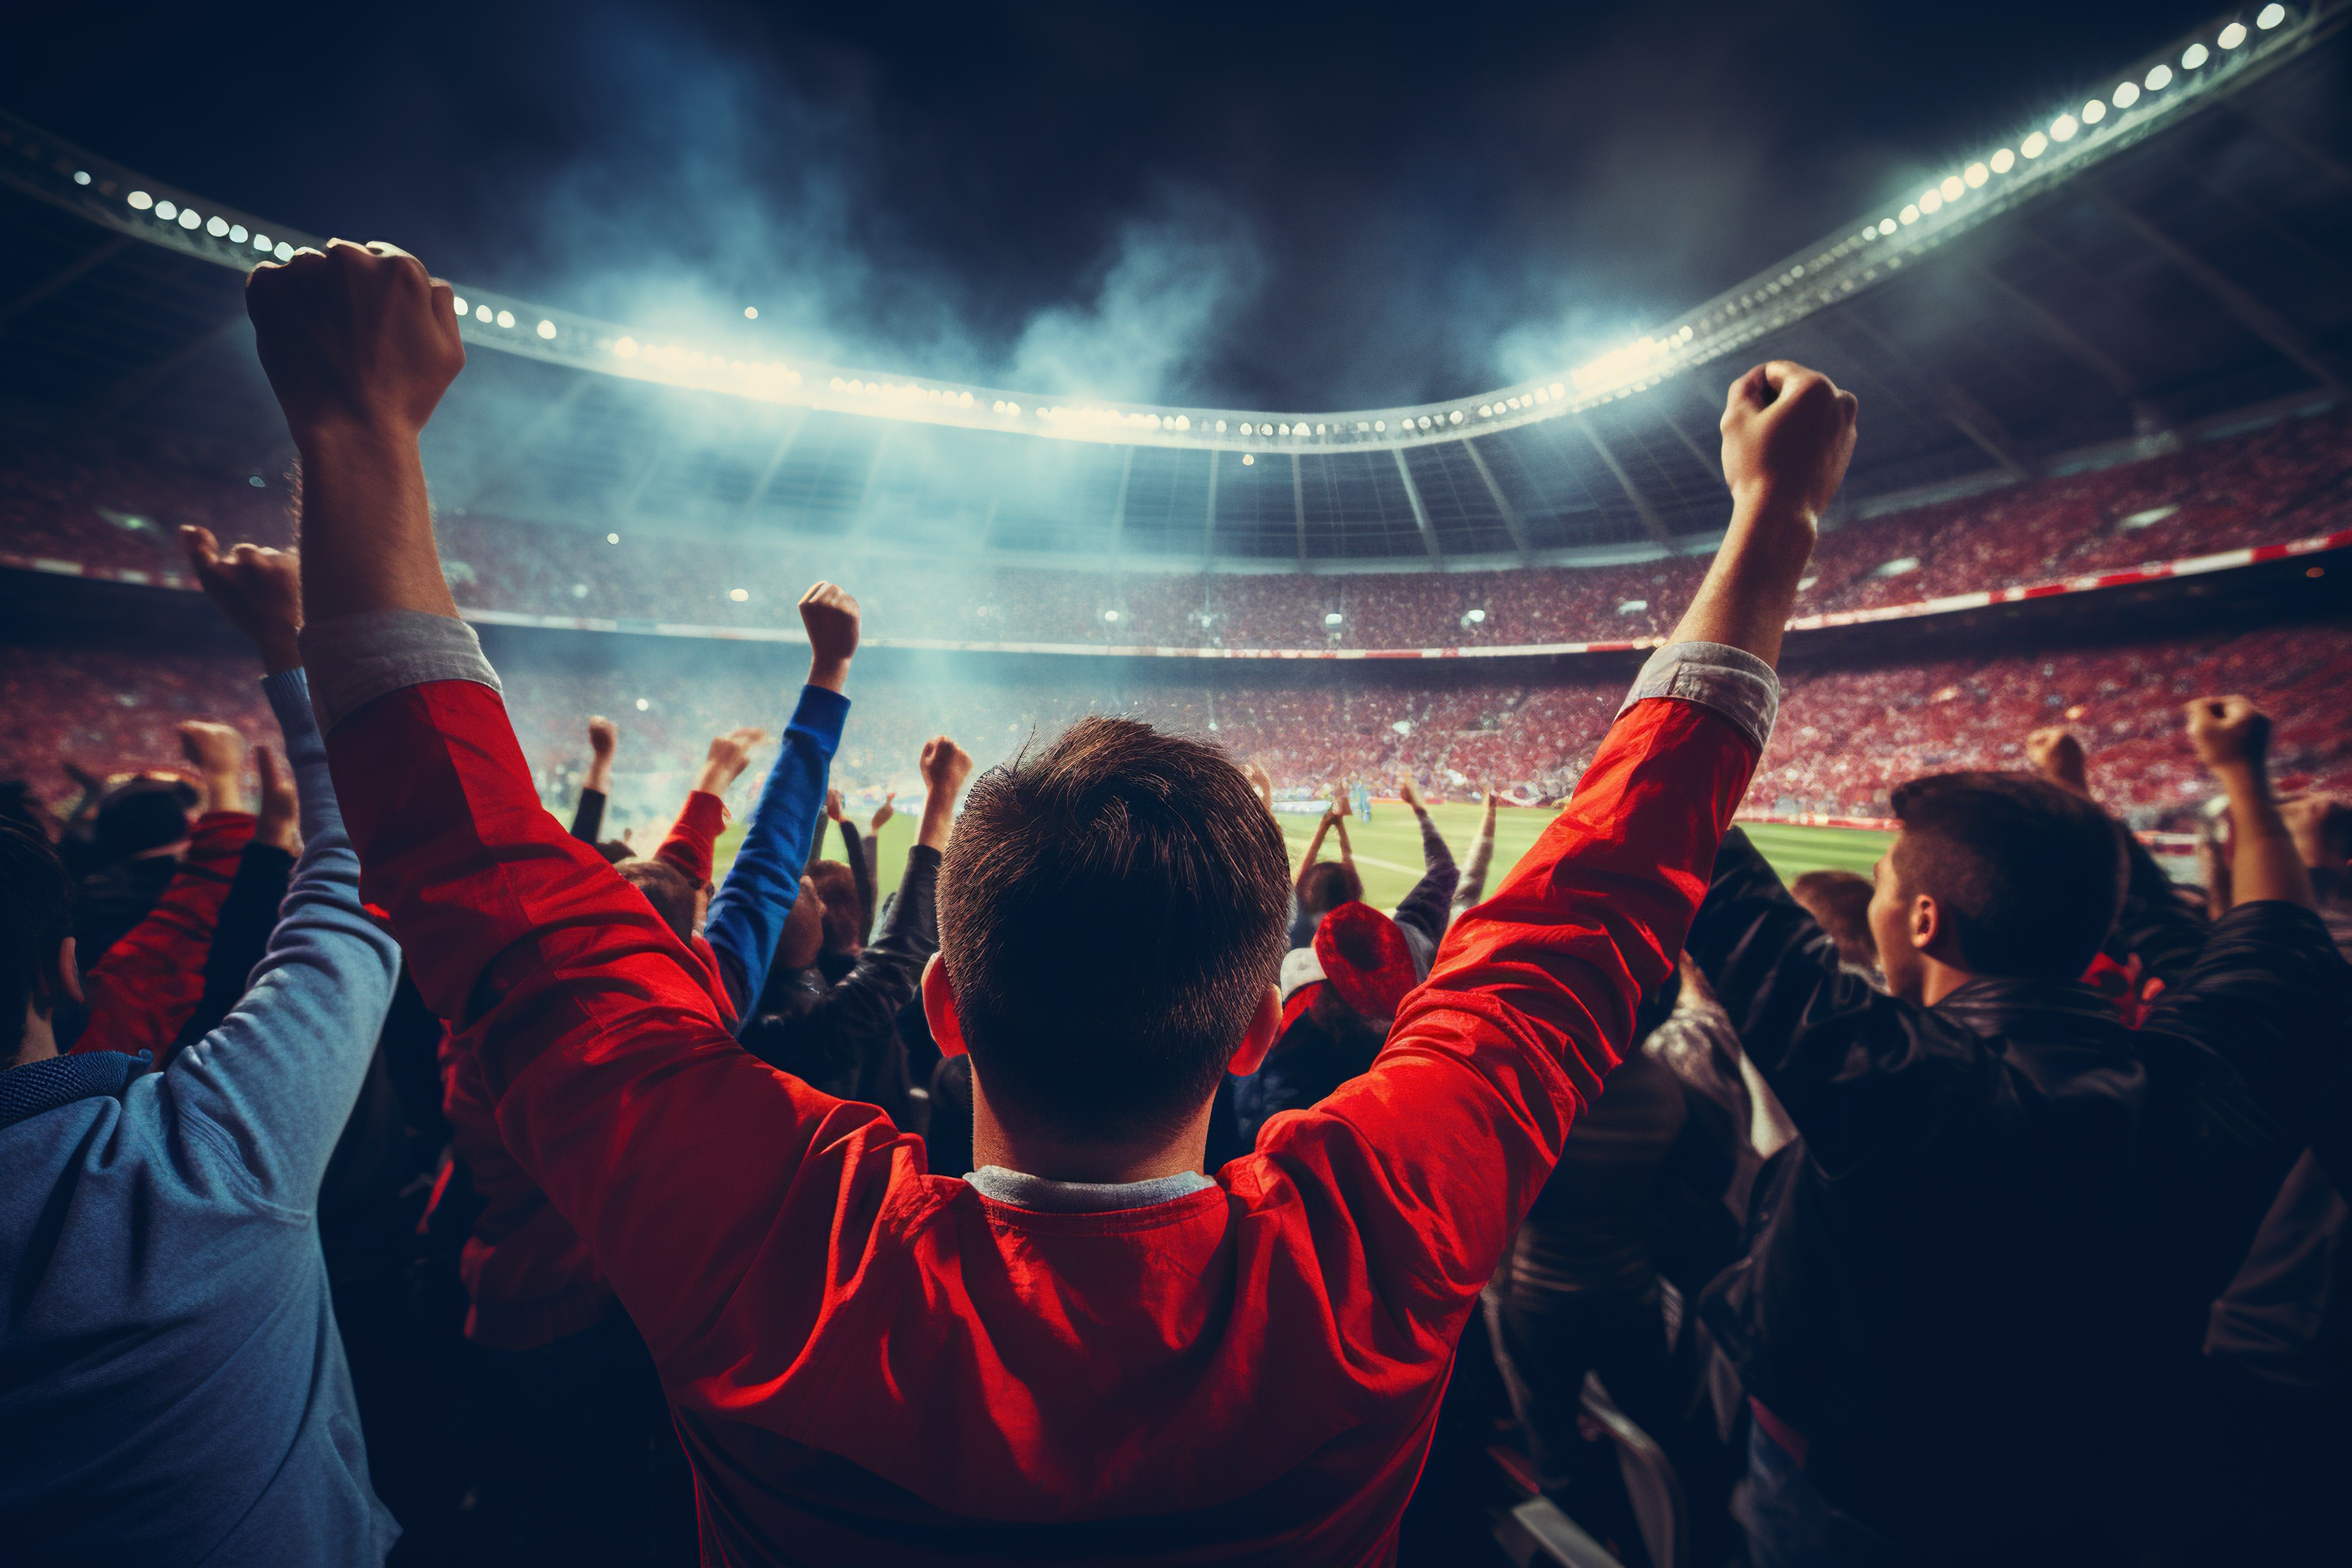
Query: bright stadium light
[[1249, 460], [2232, 36], [2034, 146], [217, 226], [2003, 161], [283, 251], [2063, 128], [1954, 187], [82, 176], [612, 539], [2270, 16], [2095, 111], [1976, 175], [482, 313], [2127, 93], [1887, 225], [1931, 200], [141, 200], [741, 595], [188, 218], [2192, 57], [545, 329], [1112, 615], [1477, 618], [261, 242], [642, 705], [236, 233], [506, 318], [167, 211], [459, 301], [750, 313], [1333, 619]]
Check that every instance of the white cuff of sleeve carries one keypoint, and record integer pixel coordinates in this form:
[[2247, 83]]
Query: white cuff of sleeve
[[1728, 681], [352, 660]]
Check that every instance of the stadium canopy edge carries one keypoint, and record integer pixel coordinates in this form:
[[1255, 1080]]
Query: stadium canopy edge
[[2215, 60]]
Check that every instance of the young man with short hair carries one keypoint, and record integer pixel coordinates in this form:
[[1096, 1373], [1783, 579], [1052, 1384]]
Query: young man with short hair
[[1971, 1315], [1091, 1347]]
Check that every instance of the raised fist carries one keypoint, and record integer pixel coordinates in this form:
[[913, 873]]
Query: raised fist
[[275, 824], [1407, 793], [356, 340], [2057, 756], [945, 765], [259, 589], [1788, 434], [213, 749], [884, 812], [833, 803], [2320, 827], [2228, 731], [603, 736], [728, 755], [831, 616]]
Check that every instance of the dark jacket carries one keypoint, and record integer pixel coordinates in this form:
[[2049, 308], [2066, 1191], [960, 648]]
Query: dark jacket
[[842, 1038], [1976, 1288]]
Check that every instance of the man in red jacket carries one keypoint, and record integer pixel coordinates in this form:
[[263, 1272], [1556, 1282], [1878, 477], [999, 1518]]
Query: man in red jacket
[[1088, 1349]]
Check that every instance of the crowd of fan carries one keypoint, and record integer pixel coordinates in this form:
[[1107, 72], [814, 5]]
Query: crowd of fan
[[2287, 481], [395, 1168], [1848, 736]]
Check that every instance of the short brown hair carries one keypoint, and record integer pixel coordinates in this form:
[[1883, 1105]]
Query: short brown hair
[[2032, 875], [1110, 910], [1327, 884], [837, 884], [666, 889]]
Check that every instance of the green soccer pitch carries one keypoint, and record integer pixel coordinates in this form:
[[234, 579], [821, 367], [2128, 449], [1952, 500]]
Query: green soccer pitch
[[1387, 847]]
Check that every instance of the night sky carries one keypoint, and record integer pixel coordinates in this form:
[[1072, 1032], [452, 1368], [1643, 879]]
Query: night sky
[[1260, 207]]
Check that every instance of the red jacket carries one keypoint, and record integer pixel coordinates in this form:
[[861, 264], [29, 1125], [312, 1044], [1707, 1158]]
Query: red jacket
[[868, 1362], [529, 1277], [149, 983]]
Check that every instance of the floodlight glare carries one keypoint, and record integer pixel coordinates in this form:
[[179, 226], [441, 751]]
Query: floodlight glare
[[141, 200], [82, 176], [1954, 187], [236, 233], [2127, 93], [1110, 614], [612, 539], [642, 705], [283, 251], [741, 595], [482, 313], [167, 211], [2034, 146], [217, 226], [1931, 200], [261, 242], [1477, 616], [459, 301], [1249, 460], [2095, 111], [1976, 175], [2063, 128], [2159, 77], [506, 318], [1887, 225], [2195, 55], [2270, 16], [750, 313], [188, 218], [2003, 161], [1910, 215], [546, 328], [2232, 36]]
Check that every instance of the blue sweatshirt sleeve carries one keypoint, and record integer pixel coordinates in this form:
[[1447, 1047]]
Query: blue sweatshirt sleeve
[[747, 915], [272, 1086]]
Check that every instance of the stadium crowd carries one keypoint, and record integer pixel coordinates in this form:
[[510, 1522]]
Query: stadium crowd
[[2286, 481], [398, 1169]]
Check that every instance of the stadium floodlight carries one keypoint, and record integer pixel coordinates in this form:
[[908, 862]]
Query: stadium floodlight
[[261, 242], [741, 595], [506, 318], [484, 314], [2270, 16], [1333, 618], [642, 705], [82, 176], [188, 218], [2064, 127], [1477, 618], [2034, 145], [1954, 187], [545, 329], [167, 211], [1249, 459], [1112, 615], [141, 200], [283, 251], [612, 539], [2095, 111], [1931, 200], [2232, 36], [2127, 93], [1976, 175], [236, 233], [2195, 55], [459, 301], [750, 313], [2003, 162], [1887, 225], [2159, 77], [217, 226]]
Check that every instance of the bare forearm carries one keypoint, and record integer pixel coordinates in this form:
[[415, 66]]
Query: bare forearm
[[2264, 861], [367, 528], [938, 821], [225, 790], [1745, 600], [600, 776], [832, 674]]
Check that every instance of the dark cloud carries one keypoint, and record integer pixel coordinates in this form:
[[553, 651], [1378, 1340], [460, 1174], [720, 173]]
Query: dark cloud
[[1262, 207]]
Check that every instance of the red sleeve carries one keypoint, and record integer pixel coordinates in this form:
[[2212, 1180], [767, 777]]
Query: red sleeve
[[678, 1157], [687, 847], [1419, 1171], [149, 983]]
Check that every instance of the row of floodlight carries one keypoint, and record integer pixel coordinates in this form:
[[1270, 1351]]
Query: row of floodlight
[[189, 218]]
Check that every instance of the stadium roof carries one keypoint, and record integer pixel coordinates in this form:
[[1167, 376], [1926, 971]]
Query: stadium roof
[[2168, 248]]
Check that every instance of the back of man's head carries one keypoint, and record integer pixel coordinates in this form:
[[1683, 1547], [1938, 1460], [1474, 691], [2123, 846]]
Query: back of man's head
[[1111, 913], [1325, 885], [2031, 876], [143, 814], [666, 889], [36, 916], [1840, 901]]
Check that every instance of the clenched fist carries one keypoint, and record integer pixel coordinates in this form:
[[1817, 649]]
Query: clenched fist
[[1787, 434], [2228, 731], [2057, 756], [259, 589], [830, 614], [603, 736], [356, 340], [945, 766], [728, 755]]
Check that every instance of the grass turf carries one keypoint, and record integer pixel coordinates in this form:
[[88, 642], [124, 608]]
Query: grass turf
[[1387, 847]]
